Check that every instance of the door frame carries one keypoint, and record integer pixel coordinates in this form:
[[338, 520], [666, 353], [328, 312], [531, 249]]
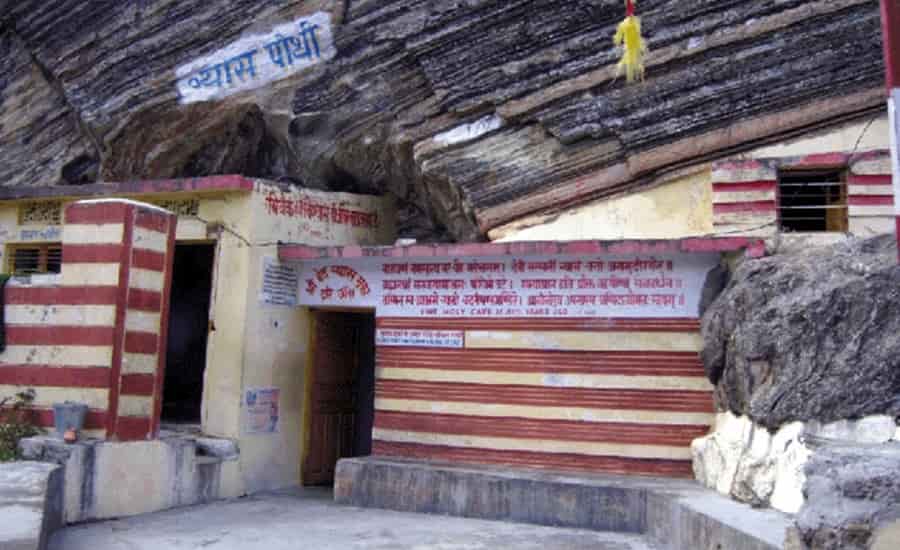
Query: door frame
[[213, 293], [308, 373]]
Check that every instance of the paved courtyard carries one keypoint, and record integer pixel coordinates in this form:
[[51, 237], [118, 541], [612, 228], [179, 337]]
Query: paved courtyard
[[309, 519]]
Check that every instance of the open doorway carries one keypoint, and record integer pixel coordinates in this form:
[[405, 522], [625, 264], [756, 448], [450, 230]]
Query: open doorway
[[188, 332], [342, 394]]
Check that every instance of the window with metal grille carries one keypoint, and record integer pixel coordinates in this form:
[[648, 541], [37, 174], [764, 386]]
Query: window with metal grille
[[812, 200], [27, 259]]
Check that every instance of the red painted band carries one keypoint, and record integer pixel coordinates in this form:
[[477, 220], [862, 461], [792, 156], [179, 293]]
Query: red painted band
[[542, 396], [148, 259], [743, 186], [137, 384], [590, 324], [34, 335], [141, 342], [870, 200], [737, 207], [556, 430], [530, 459], [293, 252], [153, 221], [64, 296], [885, 180], [543, 361], [97, 213], [890, 31], [144, 300], [92, 253], [133, 428], [52, 376]]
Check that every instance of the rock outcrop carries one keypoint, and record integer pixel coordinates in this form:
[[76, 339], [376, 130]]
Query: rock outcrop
[[853, 498], [472, 112], [767, 469], [812, 336]]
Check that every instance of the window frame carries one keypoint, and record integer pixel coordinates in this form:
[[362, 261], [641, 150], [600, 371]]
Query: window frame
[[44, 257]]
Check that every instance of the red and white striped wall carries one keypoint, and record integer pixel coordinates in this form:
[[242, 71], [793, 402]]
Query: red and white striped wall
[[744, 197], [745, 192], [604, 395], [96, 334]]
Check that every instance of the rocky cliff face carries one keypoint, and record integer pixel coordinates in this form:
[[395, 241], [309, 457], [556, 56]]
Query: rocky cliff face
[[809, 336], [471, 112]]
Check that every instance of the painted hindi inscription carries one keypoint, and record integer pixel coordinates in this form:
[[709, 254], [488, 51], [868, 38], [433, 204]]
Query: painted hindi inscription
[[531, 286], [257, 60]]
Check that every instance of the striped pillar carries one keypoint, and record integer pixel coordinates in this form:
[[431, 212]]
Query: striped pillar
[[890, 20], [129, 246]]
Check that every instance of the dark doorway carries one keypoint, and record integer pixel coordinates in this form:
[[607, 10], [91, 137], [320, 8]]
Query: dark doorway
[[188, 332], [342, 400]]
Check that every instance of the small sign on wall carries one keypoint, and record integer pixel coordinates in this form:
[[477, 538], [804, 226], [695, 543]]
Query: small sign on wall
[[279, 283], [419, 337], [261, 410]]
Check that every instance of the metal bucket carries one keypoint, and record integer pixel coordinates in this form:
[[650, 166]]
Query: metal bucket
[[68, 416]]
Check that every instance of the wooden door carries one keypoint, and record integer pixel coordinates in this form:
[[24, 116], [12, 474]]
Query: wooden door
[[335, 394]]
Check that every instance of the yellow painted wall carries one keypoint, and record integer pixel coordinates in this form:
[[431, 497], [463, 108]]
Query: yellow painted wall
[[253, 345], [276, 338], [681, 207]]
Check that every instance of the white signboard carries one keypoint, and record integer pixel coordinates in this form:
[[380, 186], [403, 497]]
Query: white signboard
[[419, 337], [279, 283], [257, 60], [663, 286]]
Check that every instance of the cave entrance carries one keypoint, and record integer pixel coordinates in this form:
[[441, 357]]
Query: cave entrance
[[188, 330]]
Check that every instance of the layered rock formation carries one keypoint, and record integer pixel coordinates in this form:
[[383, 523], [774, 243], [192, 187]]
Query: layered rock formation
[[473, 113]]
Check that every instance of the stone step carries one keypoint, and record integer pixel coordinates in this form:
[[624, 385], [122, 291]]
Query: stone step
[[673, 514]]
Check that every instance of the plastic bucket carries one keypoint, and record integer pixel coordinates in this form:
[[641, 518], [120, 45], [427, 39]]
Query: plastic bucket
[[68, 415]]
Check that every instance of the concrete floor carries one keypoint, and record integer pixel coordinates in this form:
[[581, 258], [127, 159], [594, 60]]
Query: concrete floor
[[309, 519]]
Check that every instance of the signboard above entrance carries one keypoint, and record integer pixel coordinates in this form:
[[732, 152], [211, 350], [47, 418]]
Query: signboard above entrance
[[662, 286]]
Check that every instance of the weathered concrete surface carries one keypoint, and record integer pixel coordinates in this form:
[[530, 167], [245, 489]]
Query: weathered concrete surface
[[853, 498], [30, 504], [309, 519], [812, 336], [472, 113], [108, 479], [676, 514]]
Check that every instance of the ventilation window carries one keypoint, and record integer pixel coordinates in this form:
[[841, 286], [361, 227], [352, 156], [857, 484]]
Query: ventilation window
[[35, 258], [812, 200]]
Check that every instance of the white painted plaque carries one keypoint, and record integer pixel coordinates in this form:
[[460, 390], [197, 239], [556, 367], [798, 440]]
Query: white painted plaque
[[279, 283], [256, 60], [419, 337], [662, 286]]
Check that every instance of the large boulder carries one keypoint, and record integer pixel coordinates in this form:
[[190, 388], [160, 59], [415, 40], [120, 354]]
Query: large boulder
[[812, 336], [473, 113]]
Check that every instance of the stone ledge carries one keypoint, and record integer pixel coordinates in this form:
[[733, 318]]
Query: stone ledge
[[30, 504], [676, 514]]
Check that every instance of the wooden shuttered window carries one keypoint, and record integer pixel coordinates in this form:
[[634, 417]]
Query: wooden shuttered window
[[28, 259]]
